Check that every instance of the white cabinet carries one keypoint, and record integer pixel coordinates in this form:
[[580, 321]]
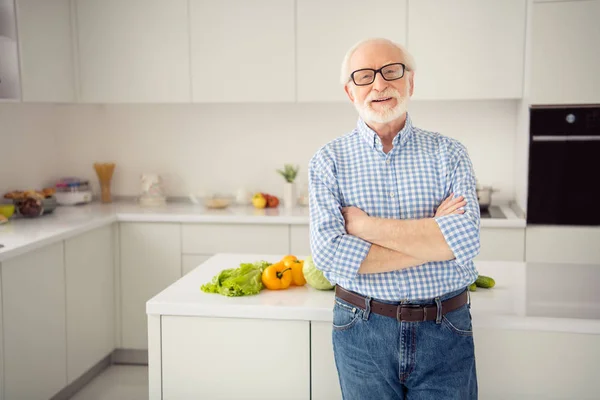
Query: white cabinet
[[502, 244], [243, 51], [1, 343], [467, 49], [563, 244], [191, 261], [271, 362], [325, 31], [565, 55], [208, 239], [325, 384], [90, 300], [33, 297], [300, 240], [150, 262], [134, 51], [46, 48]]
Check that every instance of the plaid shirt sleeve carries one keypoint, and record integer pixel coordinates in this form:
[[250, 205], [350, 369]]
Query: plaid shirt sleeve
[[334, 251], [461, 231]]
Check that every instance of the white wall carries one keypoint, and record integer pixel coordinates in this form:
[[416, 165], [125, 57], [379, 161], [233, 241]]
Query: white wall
[[222, 147], [29, 152]]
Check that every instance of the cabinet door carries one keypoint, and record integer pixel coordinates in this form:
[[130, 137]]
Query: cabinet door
[[325, 383], [235, 238], [33, 290], [191, 261], [134, 51], [464, 49], [502, 244], [325, 32], [565, 56], [240, 48], [150, 261], [299, 240], [563, 244], [45, 40], [1, 343], [90, 300], [10, 88], [269, 359]]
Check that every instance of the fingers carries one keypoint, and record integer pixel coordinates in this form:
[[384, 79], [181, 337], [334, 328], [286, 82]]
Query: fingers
[[451, 206]]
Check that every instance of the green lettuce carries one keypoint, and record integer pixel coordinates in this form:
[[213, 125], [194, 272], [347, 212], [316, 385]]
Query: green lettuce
[[243, 281]]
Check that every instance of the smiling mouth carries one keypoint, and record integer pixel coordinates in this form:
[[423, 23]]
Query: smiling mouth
[[382, 100]]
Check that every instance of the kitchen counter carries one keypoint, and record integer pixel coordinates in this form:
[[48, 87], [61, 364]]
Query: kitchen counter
[[527, 296], [21, 235]]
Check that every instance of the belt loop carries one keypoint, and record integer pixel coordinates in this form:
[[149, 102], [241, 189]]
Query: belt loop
[[438, 318], [367, 311]]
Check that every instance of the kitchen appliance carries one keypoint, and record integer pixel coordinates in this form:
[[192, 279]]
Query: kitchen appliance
[[564, 144], [484, 196]]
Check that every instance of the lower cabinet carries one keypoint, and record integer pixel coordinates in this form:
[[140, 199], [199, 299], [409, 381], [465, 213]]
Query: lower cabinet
[[1, 343], [502, 244], [191, 261], [227, 358], [34, 321], [324, 377], [90, 286], [150, 262], [299, 240]]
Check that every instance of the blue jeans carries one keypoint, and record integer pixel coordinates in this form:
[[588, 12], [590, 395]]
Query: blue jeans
[[379, 358]]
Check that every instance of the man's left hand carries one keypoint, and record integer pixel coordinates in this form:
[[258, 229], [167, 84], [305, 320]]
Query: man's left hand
[[355, 219]]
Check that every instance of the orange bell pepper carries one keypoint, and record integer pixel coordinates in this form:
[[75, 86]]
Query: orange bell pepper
[[297, 274], [277, 276]]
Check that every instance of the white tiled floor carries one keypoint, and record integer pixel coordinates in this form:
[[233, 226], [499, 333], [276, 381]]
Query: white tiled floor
[[128, 382]]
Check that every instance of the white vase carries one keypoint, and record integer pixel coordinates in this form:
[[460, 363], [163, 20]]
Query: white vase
[[289, 195]]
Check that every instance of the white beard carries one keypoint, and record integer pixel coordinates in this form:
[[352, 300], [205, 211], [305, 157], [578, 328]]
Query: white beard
[[386, 114]]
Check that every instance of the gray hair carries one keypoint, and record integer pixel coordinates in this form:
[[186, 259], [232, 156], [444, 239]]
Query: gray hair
[[408, 59]]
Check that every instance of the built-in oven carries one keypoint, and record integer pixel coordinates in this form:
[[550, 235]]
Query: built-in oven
[[564, 165]]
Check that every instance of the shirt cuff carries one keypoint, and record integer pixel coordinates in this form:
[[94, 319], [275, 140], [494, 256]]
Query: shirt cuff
[[350, 254], [461, 235]]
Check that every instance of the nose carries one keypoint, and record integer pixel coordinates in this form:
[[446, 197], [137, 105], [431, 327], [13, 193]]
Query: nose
[[380, 84]]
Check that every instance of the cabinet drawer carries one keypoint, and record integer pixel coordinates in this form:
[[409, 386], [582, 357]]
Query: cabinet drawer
[[502, 244], [235, 238]]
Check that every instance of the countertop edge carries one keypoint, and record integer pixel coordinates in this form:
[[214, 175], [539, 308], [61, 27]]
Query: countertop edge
[[51, 239]]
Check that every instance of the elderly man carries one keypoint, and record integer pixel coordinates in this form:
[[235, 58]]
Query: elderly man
[[394, 223]]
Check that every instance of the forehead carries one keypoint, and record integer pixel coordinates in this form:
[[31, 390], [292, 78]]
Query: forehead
[[375, 55]]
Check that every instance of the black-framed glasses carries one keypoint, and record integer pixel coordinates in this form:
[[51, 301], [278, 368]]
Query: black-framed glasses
[[389, 72]]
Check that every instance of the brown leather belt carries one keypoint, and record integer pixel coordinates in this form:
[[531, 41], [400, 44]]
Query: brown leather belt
[[404, 312]]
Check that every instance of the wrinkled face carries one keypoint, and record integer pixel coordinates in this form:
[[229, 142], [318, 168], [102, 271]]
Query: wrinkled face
[[383, 100]]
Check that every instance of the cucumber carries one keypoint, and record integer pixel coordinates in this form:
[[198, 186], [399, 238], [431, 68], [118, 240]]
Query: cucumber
[[472, 287], [485, 282]]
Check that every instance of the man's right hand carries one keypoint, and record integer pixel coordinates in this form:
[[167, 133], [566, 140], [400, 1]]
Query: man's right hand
[[451, 206]]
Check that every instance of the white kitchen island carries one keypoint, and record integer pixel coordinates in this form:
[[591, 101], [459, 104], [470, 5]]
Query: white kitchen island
[[537, 336]]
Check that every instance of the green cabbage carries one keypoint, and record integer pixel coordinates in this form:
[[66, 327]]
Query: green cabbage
[[243, 281], [315, 277]]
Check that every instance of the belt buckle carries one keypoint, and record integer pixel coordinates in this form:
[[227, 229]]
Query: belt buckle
[[408, 311]]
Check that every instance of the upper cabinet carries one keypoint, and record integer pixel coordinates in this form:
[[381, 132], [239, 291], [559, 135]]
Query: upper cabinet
[[9, 56], [467, 49], [45, 37], [243, 51], [565, 55], [325, 32], [134, 51]]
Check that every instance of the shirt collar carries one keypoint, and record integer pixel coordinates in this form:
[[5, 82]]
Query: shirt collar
[[372, 138]]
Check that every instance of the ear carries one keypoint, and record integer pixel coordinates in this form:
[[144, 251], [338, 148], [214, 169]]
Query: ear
[[349, 92], [412, 83]]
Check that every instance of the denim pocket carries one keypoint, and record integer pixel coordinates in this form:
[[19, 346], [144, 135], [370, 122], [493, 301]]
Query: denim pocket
[[345, 315], [459, 321]]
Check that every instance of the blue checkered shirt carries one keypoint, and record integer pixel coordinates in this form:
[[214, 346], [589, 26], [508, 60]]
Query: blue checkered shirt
[[409, 182]]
